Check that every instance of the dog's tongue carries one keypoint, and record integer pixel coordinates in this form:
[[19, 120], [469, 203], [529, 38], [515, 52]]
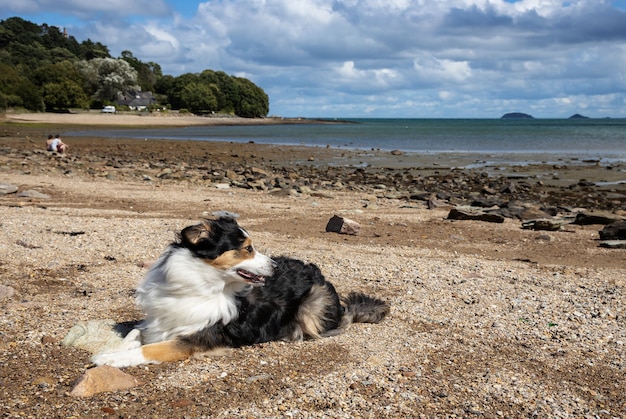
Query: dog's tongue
[[249, 276]]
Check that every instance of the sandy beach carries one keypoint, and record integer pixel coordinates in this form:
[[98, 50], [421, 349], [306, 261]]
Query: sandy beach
[[140, 119], [488, 319]]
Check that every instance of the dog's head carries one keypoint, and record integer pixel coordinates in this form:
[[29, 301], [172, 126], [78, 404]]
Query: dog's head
[[224, 245]]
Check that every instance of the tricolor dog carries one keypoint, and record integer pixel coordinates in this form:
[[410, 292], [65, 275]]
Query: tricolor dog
[[211, 289]]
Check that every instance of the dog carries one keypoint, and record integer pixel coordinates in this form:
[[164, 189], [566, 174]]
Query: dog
[[211, 289]]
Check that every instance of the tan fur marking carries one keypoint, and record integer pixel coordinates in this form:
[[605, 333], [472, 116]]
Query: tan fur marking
[[311, 313], [197, 232], [166, 351], [233, 257]]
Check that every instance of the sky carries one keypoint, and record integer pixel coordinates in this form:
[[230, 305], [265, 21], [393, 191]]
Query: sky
[[375, 58]]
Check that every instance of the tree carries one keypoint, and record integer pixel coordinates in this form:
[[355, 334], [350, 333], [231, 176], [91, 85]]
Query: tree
[[64, 95], [42, 66], [108, 79], [19, 91], [198, 98], [90, 50], [253, 102], [147, 73]]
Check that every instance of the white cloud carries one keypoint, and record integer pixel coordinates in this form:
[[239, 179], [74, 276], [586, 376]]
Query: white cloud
[[363, 56]]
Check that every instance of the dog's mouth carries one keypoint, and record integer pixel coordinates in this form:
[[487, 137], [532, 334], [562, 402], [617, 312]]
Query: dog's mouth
[[250, 277]]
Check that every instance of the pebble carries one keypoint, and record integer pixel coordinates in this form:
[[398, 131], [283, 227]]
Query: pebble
[[103, 379]]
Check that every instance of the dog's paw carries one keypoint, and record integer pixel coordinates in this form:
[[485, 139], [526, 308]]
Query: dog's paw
[[131, 341], [120, 359]]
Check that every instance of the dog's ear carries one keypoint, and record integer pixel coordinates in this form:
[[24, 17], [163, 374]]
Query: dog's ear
[[194, 234]]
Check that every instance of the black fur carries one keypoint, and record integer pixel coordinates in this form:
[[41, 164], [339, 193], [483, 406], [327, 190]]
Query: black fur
[[274, 311], [224, 234]]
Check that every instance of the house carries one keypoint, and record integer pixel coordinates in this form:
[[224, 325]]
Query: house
[[138, 101]]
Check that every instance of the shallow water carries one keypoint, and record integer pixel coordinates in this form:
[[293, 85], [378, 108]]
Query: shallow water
[[495, 141]]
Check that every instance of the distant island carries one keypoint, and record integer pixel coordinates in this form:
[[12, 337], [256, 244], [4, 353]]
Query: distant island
[[520, 115], [516, 115]]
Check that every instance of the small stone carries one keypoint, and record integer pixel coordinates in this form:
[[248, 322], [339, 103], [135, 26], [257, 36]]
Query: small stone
[[6, 188], [435, 203], [47, 340], [375, 360], [462, 214], [102, 379], [30, 193], [165, 173], [614, 231], [43, 382], [342, 225], [596, 217], [6, 292], [613, 244], [543, 224]]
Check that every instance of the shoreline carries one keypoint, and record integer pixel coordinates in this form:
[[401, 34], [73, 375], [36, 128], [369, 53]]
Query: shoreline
[[560, 173], [397, 170], [362, 157], [145, 119]]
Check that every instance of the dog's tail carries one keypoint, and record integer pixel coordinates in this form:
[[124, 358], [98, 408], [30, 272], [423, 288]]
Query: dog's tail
[[361, 308]]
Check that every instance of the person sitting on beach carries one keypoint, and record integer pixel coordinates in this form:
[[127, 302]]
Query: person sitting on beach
[[55, 144]]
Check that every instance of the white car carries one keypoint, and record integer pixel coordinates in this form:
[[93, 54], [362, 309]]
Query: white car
[[109, 109]]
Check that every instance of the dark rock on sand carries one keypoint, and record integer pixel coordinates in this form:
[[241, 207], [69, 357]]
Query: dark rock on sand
[[476, 215], [343, 225], [614, 231], [589, 218]]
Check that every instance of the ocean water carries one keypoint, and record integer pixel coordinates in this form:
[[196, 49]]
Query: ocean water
[[495, 139]]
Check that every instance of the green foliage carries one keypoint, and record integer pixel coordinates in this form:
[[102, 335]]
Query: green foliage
[[108, 78], [211, 91], [253, 102], [42, 67], [147, 73], [64, 95], [198, 98]]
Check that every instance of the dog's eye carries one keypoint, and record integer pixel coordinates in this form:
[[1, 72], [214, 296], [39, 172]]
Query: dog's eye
[[250, 248]]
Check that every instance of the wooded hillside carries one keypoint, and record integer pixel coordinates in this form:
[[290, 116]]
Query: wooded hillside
[[42, 68]]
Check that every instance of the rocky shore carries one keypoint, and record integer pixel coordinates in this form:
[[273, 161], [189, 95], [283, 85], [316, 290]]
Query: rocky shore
[[490, 319]]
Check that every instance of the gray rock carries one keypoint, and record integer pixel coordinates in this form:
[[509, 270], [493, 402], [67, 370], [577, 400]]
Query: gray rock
[[165, 173], [613, 244], [435, 203], [94, 336], [6, 188], [30, 193]]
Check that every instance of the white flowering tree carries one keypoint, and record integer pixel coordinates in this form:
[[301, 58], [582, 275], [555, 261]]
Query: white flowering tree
[[108, 79]]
